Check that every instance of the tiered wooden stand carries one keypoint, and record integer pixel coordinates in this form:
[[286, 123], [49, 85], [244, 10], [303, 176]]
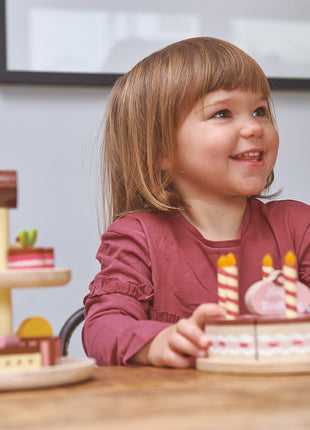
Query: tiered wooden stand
[[17, 278], [10, 279], [34, 278], [68, 370]]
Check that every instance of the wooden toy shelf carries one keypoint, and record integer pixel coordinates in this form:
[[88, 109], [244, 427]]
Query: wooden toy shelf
[[28, 278]]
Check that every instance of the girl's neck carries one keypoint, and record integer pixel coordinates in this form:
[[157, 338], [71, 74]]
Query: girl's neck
[[217, 221]]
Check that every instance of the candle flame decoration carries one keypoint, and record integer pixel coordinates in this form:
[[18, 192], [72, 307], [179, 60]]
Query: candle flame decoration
[[290, 275], [290, 258], [228, 285]]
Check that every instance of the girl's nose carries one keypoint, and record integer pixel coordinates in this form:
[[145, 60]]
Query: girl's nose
[[251, 127]]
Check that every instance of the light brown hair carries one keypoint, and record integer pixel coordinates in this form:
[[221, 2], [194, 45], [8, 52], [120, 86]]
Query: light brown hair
[[147, 105]]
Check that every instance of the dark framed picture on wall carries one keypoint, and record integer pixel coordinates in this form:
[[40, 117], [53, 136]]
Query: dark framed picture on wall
[[93, 42]]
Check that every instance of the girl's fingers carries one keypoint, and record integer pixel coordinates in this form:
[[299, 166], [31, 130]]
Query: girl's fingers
[[192, 333], [175, 359], [205, 311], [193, 327], [184, 346], [179, 344], [173, 349]]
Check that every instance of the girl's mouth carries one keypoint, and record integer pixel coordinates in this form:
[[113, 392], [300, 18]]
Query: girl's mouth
[[249, 156]]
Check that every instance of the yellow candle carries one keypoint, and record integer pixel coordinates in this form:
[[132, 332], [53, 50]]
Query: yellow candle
[[267, 266], [232, 287], [221, 281]]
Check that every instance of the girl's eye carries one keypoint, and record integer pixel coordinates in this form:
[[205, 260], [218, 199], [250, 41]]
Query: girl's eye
[[222, 114], [261, 112]]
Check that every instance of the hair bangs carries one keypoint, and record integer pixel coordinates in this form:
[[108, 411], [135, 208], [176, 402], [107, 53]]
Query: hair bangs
[[237, 72], [201, 65]]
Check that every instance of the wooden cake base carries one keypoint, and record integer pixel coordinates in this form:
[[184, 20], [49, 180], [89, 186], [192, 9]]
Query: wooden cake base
[[258, 368]]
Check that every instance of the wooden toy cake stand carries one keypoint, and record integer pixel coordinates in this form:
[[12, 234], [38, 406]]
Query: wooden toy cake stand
[[10, 279], [69, 370], [18, 278]]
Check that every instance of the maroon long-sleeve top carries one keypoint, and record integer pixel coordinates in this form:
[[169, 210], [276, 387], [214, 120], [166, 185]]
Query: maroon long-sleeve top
[[157, 268]]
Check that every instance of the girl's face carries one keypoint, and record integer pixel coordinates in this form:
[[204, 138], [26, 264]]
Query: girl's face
[[226, 147]]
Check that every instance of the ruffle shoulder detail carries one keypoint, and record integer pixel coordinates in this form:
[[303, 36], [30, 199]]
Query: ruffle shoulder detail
[[102, 286]]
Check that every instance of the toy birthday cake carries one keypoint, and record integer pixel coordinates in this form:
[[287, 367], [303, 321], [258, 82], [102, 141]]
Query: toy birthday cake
[[24, 255], [266, 340], [277, 331]]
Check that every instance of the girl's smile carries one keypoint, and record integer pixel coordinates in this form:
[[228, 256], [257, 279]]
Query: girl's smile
[[226, 146], [253, 157]]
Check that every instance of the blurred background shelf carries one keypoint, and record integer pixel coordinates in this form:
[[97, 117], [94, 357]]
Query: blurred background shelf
[[28, 278]]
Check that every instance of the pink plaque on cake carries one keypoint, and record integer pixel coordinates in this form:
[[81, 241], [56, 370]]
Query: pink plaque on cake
[[267, 297]]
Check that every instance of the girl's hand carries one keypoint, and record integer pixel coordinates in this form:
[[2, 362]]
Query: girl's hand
[[179, 344]]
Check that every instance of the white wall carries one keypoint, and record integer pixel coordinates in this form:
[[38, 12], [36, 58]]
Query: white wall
[[292, 168]]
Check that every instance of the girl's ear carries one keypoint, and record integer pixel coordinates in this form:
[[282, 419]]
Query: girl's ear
[[165, 163]]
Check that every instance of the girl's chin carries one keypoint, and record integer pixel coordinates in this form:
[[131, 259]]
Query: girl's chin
[[251, 192], [254, 189]]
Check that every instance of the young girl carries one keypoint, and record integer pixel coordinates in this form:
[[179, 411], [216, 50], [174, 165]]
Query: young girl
[[189, 145]]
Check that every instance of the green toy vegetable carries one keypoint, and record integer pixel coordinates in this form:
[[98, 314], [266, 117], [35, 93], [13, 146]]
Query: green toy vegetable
[[27, 239]]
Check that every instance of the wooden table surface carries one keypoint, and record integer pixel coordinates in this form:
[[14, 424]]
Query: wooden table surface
[[137, 398]]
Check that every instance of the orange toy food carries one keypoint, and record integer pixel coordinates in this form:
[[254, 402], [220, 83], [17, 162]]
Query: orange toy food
[[35, 327]]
